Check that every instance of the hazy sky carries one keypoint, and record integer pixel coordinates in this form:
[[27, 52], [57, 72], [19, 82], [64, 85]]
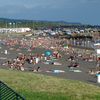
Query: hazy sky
[[84, 11]]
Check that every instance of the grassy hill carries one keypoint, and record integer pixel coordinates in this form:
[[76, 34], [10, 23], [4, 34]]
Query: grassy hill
[[40, 87]]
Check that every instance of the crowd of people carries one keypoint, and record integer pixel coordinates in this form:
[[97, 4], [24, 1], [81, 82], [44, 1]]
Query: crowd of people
[[48, 43]]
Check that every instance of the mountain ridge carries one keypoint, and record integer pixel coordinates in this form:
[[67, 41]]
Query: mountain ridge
[[27, 20]]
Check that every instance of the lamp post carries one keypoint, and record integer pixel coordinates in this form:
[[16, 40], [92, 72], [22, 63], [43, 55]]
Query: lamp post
[[10, 24], [13, 25]]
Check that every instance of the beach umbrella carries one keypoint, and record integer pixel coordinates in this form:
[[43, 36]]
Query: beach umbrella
[[48, 53]]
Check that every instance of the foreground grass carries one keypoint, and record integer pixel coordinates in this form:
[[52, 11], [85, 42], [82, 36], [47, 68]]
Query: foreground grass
[[40, 87]]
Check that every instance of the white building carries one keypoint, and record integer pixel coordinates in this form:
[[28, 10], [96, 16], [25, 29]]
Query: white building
[[15, 30]]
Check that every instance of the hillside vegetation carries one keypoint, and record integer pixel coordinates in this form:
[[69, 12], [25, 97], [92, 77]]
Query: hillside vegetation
[[39, 87]]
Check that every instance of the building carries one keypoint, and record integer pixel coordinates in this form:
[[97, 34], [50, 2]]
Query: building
[[14, 30]]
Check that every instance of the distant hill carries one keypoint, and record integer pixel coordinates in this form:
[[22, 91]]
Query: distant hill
[[14, 20], [24, 20], [43, 23]]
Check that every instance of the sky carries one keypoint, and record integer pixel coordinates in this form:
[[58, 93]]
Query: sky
[[83, 11]]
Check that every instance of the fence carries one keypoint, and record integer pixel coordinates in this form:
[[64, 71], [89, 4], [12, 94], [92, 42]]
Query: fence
[[6, 93]]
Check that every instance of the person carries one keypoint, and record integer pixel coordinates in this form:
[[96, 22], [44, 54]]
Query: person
[[75, 64], [37, 69], [6, 52], [98, 64], [91, 72]]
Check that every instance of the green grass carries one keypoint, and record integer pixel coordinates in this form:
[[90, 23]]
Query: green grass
[[40, 87]]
